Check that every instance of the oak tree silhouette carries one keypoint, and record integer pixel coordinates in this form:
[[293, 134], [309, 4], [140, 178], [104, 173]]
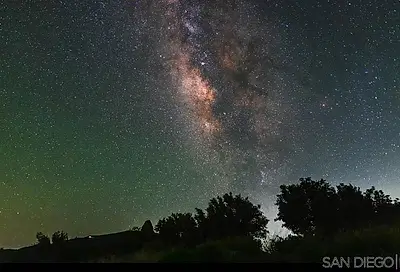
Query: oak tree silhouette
[[226, 216], [177, 229], [306, 208], [230, 216], [317, 208]]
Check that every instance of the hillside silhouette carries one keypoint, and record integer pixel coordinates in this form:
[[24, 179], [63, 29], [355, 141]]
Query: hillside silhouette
[[325, 220]]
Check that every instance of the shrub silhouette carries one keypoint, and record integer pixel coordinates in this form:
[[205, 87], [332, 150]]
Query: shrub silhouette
[[374, 241], [177, 229], [59, 237], [234, 249], [42, 240]]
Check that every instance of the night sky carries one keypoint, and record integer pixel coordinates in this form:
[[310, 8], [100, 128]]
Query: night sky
[[114, 112]]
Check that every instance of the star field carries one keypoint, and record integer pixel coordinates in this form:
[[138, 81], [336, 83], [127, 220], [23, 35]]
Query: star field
[[114, 112]]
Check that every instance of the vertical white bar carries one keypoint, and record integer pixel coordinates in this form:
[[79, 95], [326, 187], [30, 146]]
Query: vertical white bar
[[396, 262]]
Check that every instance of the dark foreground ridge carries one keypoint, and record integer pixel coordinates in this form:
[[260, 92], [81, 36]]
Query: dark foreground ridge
[[330, 226], [77, 249]]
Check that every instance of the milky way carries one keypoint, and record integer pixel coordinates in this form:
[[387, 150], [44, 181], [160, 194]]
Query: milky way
[[231, 89]]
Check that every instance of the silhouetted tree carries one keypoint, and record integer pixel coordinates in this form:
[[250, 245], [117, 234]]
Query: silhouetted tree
[[147, 230], [354, 209], [385, 209], [308, 207], [177, 229], [59, 237], [315, 207], [135, 229], [229, 216], [42, 239], [200, 218]]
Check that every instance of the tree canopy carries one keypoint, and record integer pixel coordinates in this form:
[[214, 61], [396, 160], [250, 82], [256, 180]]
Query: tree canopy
[[42, 239], [230, 215], [225, 216], [316, 207], [178, 228], [59, 237]]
